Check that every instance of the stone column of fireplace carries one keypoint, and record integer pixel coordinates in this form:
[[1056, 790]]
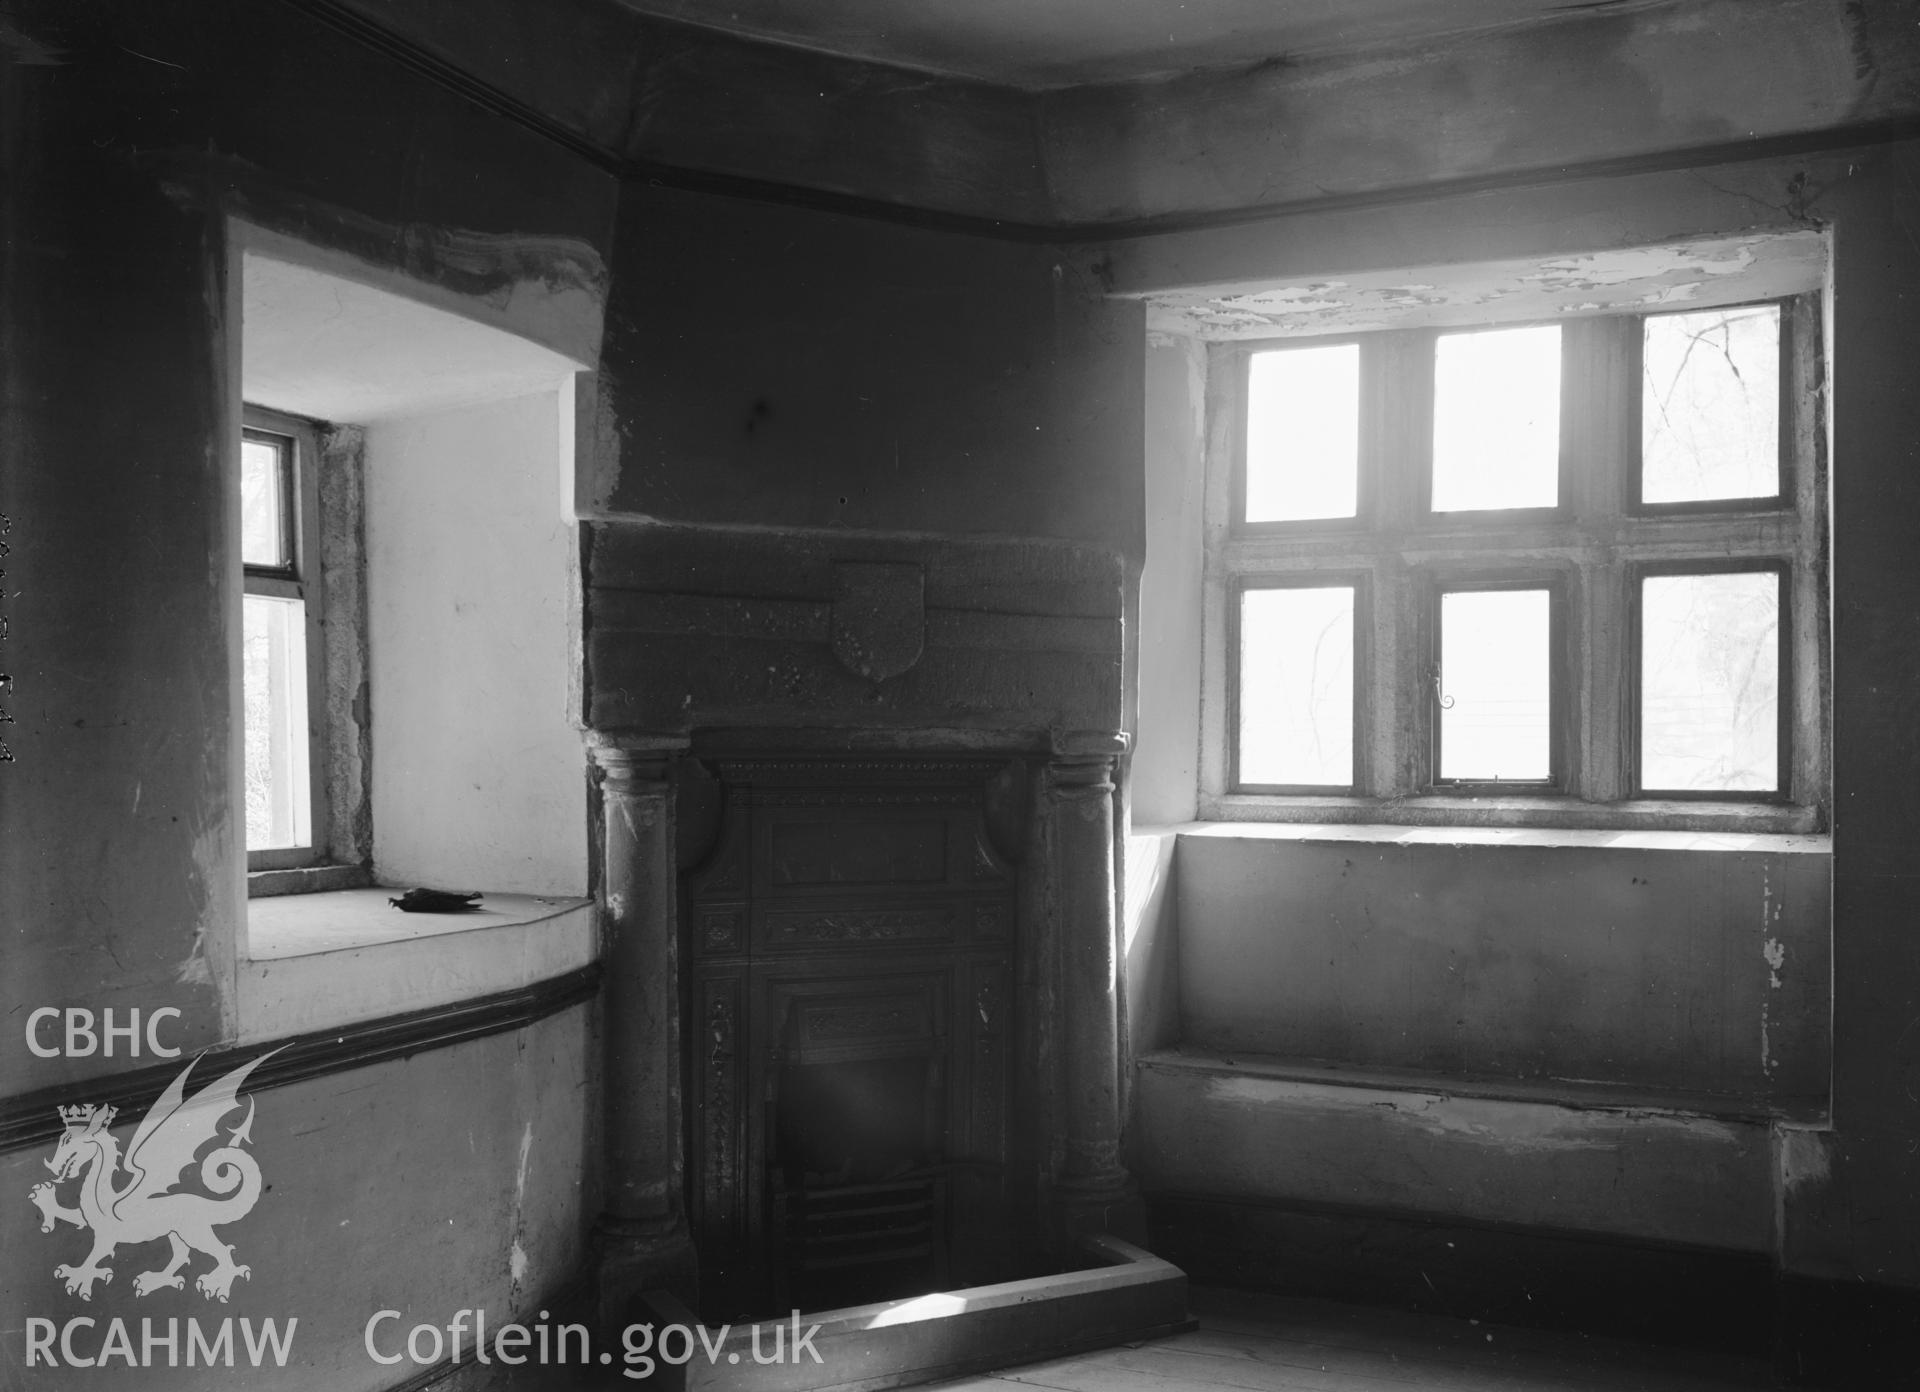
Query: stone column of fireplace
[[644, 1241], [1093, 1185]]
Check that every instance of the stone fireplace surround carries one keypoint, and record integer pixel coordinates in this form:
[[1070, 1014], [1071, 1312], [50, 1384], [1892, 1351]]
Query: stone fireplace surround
[[1063, 1161], [990, 669]]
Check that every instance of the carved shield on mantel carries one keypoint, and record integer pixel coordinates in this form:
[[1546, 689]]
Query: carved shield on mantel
[[879, 617]]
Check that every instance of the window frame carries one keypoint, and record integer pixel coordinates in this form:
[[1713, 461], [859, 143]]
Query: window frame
[[1366, 445], [1422, 469], [1362, 585], [1783, 712], [304, 580], [1592, 546], [1791, 309], [1440, 582]]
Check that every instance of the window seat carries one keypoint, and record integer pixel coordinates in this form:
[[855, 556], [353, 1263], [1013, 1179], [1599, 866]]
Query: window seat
[[1266, 1129], [1573, 1094], [318, 960]]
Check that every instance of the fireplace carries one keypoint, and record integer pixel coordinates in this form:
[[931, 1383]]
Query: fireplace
[[855, 810], [850, 932]]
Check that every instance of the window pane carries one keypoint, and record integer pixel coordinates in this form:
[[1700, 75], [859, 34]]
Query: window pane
[[1710, 405], [1303, 434], [1296, 686], [273, 677], [262, 500], [1496, 419], [1710, 682], [1495, 703]]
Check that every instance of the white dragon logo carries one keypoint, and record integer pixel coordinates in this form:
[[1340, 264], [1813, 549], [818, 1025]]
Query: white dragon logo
[[144, 1208]]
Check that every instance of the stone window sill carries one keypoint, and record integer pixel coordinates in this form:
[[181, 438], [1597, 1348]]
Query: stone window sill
[[306, 879], [1381, 816], [317, 960], [1731, 839]]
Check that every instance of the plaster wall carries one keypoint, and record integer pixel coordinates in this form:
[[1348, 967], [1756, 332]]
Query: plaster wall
[[1165, 773], [1599, 85], [456, 1179], [1150, 940], [120, 854], [667, 93], [777, 367], [1613, 963], [478, 773], [1853, 1197]]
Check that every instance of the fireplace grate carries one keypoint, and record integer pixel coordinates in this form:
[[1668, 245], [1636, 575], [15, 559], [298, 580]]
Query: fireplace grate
[[889, 1236]]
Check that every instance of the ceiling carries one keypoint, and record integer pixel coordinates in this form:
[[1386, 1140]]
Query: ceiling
[[1053, 43], [316, 345]]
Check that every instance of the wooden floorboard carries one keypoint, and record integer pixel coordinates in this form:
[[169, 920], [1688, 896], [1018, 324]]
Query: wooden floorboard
[[1448, 1364], [1257, 1343], [1265, 1343], [1314, 1321]]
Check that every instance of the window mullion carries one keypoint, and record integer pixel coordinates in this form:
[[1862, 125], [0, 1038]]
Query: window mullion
[[1597, 424], [1604, 670], [1597, 415], [1397, 375]]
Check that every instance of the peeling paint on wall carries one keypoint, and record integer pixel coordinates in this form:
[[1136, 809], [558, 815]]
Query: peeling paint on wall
[[517, 1263], [1632, 265], [520, 1173], [1802, 1174], [194, 970], [1774, 951], [1804, 1158], [1608, 281]]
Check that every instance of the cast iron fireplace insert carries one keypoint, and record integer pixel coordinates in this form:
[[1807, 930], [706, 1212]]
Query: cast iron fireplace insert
[[849, 938]]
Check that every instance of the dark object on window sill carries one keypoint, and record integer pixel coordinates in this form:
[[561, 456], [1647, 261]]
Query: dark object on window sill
[[437, 901]]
